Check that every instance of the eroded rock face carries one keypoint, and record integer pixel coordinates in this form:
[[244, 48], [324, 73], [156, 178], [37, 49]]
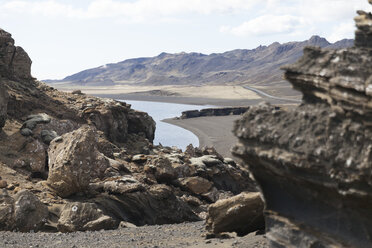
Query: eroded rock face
[[313, 163], [241, 214], [14, 61], [74, 161]]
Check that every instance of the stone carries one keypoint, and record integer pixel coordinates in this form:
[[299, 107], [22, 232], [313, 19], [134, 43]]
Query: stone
[[139, 158], [36, 156], [206, 160], [14, 61], [124, 224], [30, 214], [313, 162], [7, 221], [156, 205], [78, 216], [77, 92], [196, 185], [33, 120], [162, 168], [3, 184], [242, 214], [75, 161], [47, 136], [117, 121], [26, 132]]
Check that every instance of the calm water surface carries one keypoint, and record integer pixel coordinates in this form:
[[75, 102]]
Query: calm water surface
[[168, 134]]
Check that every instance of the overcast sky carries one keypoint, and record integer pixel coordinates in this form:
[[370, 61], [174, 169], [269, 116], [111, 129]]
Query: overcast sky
[[63, 37]]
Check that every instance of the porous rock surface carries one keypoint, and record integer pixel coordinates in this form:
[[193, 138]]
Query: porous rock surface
[[74, 161], [313, 163]]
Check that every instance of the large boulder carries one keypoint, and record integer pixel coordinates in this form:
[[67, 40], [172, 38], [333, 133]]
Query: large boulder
[[14, 61], [74, 161], [3, 105], [135, 204], [79, 216], [30, 213], [22, 213], [241, 214], [118, 121], [313, 162]]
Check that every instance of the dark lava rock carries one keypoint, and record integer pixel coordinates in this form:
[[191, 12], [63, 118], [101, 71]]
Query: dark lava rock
[[47, 136]]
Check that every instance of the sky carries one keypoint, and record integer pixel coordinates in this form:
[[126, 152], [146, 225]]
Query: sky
[[63, 37]]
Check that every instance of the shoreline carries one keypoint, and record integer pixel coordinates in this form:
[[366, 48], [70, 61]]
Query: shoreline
[[184, 100], [213, 131]]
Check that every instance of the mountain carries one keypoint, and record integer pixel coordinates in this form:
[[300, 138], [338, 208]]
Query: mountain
[[260, 65]]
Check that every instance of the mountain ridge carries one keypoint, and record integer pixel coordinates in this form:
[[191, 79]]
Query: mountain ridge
[[237, 67]]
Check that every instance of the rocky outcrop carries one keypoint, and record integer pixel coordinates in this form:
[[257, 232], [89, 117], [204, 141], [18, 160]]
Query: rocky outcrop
[[117, 121], [14, 61], [74, 162], [241, 214], [213, 112], [313, 163], [92, 162]]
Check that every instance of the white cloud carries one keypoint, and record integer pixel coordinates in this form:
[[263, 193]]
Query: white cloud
[[299, 17], [138, 10], [266, 25], [342, 31]]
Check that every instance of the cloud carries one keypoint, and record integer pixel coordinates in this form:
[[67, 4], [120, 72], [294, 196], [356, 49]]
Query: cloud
[[342, 31], [138, 10], [295, 17], [266, 25]]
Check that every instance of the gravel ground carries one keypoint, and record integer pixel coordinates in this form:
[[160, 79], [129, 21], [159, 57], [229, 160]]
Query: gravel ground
[[177, 235]]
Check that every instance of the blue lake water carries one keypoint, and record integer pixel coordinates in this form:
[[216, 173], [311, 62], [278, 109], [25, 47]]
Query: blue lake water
[[167, 134]]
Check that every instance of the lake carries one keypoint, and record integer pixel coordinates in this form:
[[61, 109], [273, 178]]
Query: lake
[[168, 134]]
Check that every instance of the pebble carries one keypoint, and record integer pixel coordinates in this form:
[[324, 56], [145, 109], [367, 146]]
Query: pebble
[[3, 184]]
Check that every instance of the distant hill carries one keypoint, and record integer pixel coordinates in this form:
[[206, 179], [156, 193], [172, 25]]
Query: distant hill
[[241, 66]]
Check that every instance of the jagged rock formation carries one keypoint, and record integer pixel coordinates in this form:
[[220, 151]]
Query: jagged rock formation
[[241, 66], [14, 61], [313, 163], [213, 112], [90, 163]]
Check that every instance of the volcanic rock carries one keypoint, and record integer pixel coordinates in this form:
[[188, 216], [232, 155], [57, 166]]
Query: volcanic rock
[[75, 162], [197, 185], [30, 213], [241, 214], [14, 61], [77, 216], [313, 163]]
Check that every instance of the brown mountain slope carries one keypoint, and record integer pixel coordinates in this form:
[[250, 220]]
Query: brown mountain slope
[[260, 65]]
